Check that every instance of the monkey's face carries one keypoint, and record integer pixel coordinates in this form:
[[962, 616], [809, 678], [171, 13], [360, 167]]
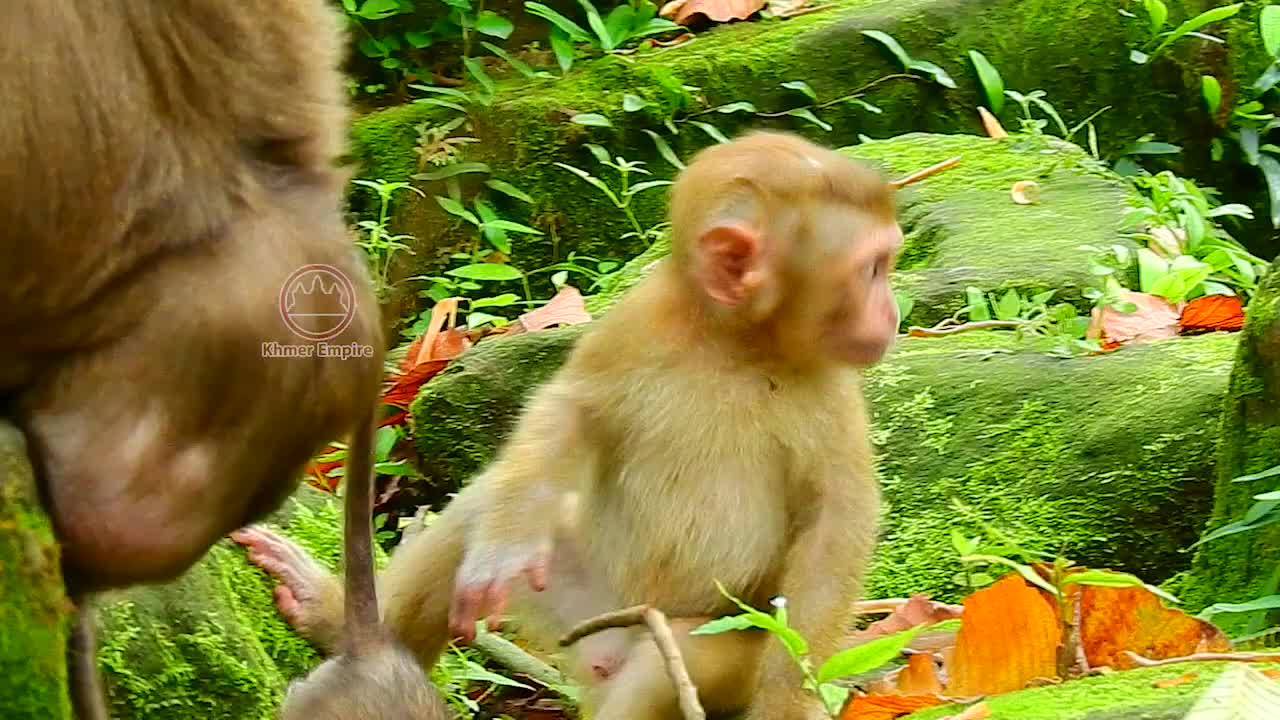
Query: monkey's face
[[860, 318]]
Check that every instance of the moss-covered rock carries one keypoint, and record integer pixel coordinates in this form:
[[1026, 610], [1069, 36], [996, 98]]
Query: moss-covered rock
[[1241, 567], [1079, 50], [34, 611], [1129, 695], [1109, 459], [211, 645]]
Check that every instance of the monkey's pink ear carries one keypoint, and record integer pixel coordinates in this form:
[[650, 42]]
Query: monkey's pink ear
[[727, 262]]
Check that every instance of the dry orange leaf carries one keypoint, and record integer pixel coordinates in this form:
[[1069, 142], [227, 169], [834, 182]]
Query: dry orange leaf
[[1113, 620], [991, 124], [1272, 673], [1175, 682], [886, 707], [1154, 319], [686, 12], [919, 677], [566, 308], [1213, 312], [1008, 636]]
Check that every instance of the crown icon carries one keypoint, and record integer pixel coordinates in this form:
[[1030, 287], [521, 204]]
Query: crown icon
[[317, 302]]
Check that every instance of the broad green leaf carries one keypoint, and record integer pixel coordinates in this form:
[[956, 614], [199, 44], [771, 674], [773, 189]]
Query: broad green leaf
[[478, 319], [633, 103], [1235, 209], [1211, 91], [1269, 23], [664, 149], [1271, 171], [560, 278], [990, 78], [1249, 144], [1111, 578], [807, 114], [1157, 13], [725, 624], [619, 23], [476, 70], [1006, 308], [977, 304], [939, 75], [905, 304], [1139, 57], [607, 41], [1170, 287], [1207, 17], [486, 271], [711, 131], [864, 105], [454, 169], [512, 227], [503, 300], [452, 92], [383, 442], [1025, 571], [515, 62], [489, 22], [656, 26], [453, 207], [1268, 79], [599, 153], [398, 467], [1152, 148], [591, 120], [1239, 693], [640, 187], [1269, 602], [592, 180], [1272, 472], [379, 9], [867, 656], [803, 87], [507, 188], [1273, 495], [418, 39], [477, 672], [563, 48], [893, 46], [496, 236], [570, 28], [736, 107], [1151, 268]]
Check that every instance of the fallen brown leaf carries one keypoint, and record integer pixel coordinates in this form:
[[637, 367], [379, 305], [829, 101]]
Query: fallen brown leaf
[[1272, 673], [1118, 619], [886, 707], [1175, 682], [1154, 319], [686, 12], [919, 676], [991, 124], [1211, 313], [566, 308], [917, 610], [1008, 636]]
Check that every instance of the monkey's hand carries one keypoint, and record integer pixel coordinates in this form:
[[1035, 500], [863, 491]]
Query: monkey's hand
[[484, 580]]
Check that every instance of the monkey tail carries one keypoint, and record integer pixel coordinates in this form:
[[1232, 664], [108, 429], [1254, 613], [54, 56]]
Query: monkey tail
[[361, 603]]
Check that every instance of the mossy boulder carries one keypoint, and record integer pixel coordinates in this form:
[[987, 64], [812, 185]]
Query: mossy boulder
[[1079, 50], [34, 611], [1109, 459], [211, 645], [1128, 695], [1241, 567]]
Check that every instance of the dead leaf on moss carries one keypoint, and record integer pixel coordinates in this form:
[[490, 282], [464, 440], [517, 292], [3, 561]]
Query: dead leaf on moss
[[1212, 313], [1025, 192], [566, 308], [1008, 636], [686, 12], [917, 610], [919, 676], [1154, 319], [991, 124], [886, 707], [1118, 619], [1182, 679]]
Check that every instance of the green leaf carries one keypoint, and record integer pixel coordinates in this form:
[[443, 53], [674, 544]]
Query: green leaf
[[1007, 307], [600, 154], [379, 9], [867, 656], [563, 48], [1025, 571], [807, 114], [864, 105], [1151, 148], [725, 624], [515, 62], [1269, 23], [383, 441], [893, 46], [489, 22], [513, 227], [711, 130], [486, 271], [419, 39], [1269, 602], [570, 28], [1111, 578], [905, 304], [1139, 57], [503, 300], [1205, 18], [1272, 472], [476, 70], [451, 170], [640, 187], [398, 467], [507, 188], [803, 87], [633, 103], [1239, 693], [1157, 13], [977, 304], [664, 149], [736, 107], [1151, 268], [440, 103], [1271, 171], [607, 41], [618, 24], [453, 207], [1170, 287], [592, 180], [1211, 91], [591, 120], [939, 75], [990, 78]]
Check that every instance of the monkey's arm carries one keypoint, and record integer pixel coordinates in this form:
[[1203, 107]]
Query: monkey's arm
[[548, 459]]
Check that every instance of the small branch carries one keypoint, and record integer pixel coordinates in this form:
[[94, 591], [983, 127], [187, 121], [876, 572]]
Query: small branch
[[512, 657], [878, 607], [919, 175], [915, 331], [1205, 657], [662, 637]]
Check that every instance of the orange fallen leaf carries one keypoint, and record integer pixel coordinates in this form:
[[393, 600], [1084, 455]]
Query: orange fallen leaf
[[1008, 636], [566, 308], [917, 610], [686, 12], [886, 707], [1154, 319], [1272, 673], [1116, 619], [1213, 312], [1175, 682], [991, 124], [919, 676]]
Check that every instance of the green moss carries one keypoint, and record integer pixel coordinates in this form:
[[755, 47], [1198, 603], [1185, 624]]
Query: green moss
[[211, 644], [1244, 566], [34, 613], [1128, 695]]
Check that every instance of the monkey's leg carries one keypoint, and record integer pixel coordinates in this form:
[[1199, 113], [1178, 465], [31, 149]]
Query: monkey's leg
[[725, 668], [87, 699]]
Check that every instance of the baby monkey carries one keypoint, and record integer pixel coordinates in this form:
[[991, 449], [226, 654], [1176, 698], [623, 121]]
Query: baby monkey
[[375, 677]]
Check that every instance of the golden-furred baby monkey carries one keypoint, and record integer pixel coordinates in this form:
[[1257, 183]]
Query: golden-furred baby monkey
[[711, 427], [168, 171]]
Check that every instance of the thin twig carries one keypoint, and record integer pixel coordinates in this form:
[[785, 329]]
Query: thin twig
[[1205, 657], [514, 658], [915, 331], [662, 637], [919, 175]]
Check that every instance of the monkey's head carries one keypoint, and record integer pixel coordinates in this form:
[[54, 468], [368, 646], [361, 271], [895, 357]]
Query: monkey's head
[[385, 683], [790, 245]]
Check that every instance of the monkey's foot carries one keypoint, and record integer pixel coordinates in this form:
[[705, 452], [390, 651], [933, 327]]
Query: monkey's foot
[[302, 580]]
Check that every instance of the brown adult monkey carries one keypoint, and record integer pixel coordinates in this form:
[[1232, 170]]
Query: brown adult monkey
[[711, 427], [169, 207]]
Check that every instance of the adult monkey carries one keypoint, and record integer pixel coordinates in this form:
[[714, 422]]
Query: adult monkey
[[166, 166], [710, 427]]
